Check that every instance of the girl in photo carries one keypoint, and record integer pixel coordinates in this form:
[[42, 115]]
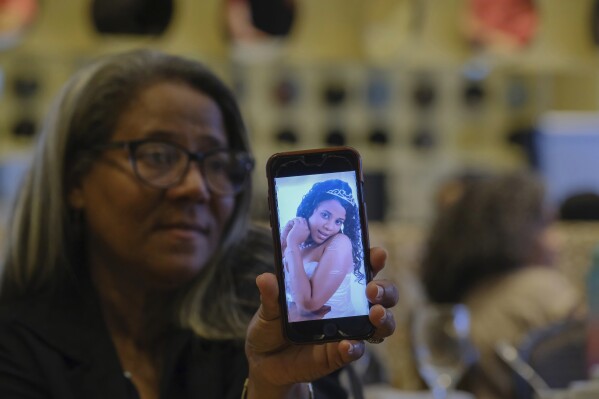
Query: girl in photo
[[321, 252]]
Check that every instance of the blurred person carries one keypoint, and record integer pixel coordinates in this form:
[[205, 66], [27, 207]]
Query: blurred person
[[503, 26], [130, 266], [494, 249], [452, 188]]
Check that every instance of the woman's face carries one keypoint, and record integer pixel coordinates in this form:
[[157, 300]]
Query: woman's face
[[326, 220], [159, 236]]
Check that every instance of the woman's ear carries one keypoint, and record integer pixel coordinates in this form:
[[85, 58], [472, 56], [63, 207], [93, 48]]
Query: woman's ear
[[74, 181], [76, 198]]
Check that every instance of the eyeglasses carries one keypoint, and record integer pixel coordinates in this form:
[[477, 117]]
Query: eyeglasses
[[163, 164]]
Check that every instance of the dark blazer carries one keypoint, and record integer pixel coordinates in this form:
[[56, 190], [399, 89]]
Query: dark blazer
[[58, 347]]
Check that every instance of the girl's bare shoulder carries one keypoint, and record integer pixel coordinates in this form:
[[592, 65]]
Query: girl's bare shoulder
[[339, 241]]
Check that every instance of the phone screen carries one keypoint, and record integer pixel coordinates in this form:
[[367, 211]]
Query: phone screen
[[322, 246]]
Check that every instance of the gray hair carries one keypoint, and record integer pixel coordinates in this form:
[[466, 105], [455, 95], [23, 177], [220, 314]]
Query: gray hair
[[44, 251]]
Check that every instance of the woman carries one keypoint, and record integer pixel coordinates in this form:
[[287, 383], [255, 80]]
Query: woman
[[322, 249], [129, 261], [493, 248]]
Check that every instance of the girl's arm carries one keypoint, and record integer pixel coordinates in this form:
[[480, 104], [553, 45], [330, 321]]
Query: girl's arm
[[335, 263], [285, 234], [294, 261]]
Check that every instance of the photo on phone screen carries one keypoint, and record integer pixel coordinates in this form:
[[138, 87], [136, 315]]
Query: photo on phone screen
[[320, 228], [330, 245]]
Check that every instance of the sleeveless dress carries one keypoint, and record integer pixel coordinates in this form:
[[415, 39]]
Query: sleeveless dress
[[340, 302]]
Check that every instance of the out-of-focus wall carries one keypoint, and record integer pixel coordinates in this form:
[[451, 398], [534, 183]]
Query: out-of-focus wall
[[400, 80]]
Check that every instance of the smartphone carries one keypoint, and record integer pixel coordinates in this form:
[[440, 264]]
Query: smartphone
[[322, 254]]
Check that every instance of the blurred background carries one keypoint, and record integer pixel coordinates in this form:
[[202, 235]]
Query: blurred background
[[426, 90]]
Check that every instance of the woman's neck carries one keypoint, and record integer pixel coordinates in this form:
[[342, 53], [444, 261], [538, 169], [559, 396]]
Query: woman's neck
[[138, 320], [132, 310]]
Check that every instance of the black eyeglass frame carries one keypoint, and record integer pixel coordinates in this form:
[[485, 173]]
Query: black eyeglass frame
[[131, 146]]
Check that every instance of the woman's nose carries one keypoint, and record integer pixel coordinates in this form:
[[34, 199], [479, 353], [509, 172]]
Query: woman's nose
[[193, 185]]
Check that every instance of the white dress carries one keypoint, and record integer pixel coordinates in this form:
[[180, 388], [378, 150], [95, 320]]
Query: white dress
[[340, 302]]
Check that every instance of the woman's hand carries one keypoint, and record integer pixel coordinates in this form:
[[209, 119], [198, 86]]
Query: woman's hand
[[299, 232], [276, 365], [284, 235]]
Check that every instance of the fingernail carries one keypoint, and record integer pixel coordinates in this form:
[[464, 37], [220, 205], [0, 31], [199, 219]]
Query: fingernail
[[351, 348], [379, 292], [382, 319]]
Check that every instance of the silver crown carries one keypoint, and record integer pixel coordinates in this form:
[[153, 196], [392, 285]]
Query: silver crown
[[342, 194]]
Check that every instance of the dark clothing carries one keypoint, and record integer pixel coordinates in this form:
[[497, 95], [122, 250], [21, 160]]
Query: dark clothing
[[59, 348]]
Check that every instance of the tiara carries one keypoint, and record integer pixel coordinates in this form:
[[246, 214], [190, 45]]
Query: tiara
[[342, 194]]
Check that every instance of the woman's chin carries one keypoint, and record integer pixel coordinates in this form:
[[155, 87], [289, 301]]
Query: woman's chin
[[174, 275]]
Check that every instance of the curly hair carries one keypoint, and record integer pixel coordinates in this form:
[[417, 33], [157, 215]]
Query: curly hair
[[492, 229], [320, 192]]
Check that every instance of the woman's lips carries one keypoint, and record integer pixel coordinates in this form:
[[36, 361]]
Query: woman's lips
[[184, 230], [322, 236]]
